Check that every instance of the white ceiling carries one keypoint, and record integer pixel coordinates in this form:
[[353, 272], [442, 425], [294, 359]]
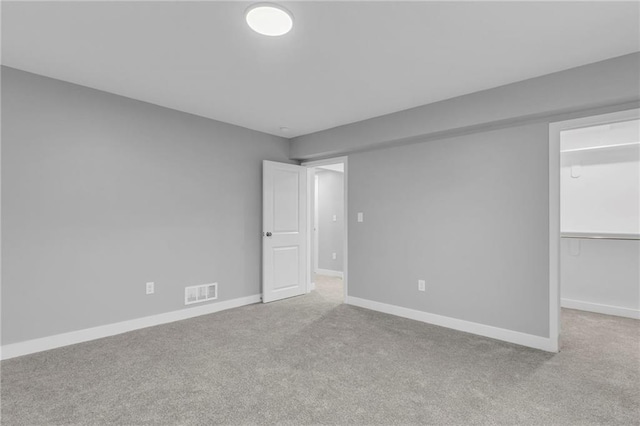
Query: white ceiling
[[342, 62], [333, 167]]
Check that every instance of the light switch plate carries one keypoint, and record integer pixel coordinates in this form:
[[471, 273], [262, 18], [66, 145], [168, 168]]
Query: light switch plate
[[360, 217], [421, 285], [150, 288], [335, 218]]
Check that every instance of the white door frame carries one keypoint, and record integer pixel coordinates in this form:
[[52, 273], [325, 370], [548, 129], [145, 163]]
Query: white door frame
[[554, 207], [316, 227], [311, 165]]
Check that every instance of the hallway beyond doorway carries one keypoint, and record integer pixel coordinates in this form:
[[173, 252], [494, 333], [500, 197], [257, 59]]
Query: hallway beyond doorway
[[331, 288]]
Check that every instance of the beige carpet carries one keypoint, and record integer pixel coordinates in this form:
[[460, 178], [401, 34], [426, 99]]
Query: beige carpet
[[312, 360]]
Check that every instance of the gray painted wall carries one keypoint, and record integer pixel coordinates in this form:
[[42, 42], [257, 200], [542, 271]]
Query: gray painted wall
[[457, 193], [470, 215], [101, 194], [611, 82], [331, 234]]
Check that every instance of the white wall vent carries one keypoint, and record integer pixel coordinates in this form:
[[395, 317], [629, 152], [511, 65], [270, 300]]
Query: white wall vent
[[200, 293]]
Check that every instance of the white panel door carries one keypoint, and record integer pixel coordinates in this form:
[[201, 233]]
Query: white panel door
[[284, 231]]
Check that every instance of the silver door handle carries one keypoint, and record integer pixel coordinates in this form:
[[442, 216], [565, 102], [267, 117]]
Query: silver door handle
[[269, 234]]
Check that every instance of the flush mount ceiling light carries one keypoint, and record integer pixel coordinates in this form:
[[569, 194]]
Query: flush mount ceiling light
[[269, 19]]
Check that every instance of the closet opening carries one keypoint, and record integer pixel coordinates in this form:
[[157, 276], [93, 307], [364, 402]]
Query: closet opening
[[598, 231]]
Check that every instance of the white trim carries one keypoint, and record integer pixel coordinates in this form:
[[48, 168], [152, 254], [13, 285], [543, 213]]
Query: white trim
[[312, 286], [345, 248], [329, 273], [524, 339], [345, 266], [310, 262], [51, 342], [316, 220], [554, 236], [601, 309]]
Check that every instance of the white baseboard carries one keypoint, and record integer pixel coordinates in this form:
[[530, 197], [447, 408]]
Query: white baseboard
[[51, 342], [530, 340], [600, 309], [329, 273], [312, 286]]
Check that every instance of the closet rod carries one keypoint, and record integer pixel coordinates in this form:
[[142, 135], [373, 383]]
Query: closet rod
[[599, 236]]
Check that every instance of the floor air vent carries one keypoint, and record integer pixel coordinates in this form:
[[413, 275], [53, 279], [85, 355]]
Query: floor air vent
[[200, 293]]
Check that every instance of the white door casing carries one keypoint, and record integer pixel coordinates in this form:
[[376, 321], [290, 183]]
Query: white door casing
[[316, 225], [284, 231]]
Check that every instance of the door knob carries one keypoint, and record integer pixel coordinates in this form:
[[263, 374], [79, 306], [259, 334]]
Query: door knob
[[269, 234]]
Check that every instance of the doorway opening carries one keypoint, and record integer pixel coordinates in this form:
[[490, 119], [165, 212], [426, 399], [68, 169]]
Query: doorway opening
[[327, 272], [595, 220]]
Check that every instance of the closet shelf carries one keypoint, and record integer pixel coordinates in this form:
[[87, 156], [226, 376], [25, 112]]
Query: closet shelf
[[597, 148]]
